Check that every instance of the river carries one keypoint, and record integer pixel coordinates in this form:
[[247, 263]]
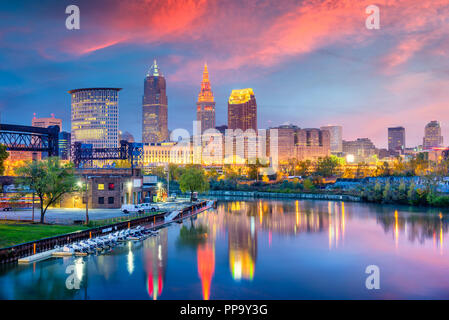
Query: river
[[259, 249]]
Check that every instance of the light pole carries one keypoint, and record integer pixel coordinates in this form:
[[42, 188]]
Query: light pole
[[86, 197]]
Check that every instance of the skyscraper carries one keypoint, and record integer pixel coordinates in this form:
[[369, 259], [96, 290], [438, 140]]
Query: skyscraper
[[242, 110], [95, 116], [154, 107], [396, 139], [336, 138], [205, 112], [432, 135]]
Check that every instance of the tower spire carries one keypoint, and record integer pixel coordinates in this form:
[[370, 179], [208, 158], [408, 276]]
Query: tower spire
[[154, 70], [205, 73]]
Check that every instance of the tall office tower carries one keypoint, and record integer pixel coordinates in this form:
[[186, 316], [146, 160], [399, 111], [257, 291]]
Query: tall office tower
[[242, 110], [336, 138], [46, 122], [396, 139], [154, 107], [205, 107], [64, 144], [432, 135], [95, 116]]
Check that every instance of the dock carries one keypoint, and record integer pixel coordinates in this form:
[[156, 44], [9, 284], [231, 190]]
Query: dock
[[38, 257]]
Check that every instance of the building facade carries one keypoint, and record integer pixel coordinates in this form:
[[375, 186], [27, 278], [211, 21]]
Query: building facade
[[205, 107], [107, 188], [312, 144], [336, 138], [362, 149], [396, 139], [432, 136], [46, 122], [154, 107], [95, 116], [286, 142], [242, 110], [64, 144]]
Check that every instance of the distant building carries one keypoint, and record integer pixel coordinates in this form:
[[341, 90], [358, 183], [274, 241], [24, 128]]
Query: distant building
[[336, 138], [125, 136], [432, 136], [64, 145], [95, 116], [46, 122], [242, 110], [205, 113], [286, 142], [312, 144], [396, 139], [154, 107], [362, 149]]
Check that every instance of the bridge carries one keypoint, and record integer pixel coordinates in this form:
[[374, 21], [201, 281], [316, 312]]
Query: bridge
[[83, 155], [28, 138]]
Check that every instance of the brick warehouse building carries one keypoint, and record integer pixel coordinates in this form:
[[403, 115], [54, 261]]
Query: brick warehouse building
[[109, 189]]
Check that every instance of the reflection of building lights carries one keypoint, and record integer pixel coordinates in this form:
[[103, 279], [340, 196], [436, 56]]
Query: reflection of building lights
[[130, 263], [206, 267], [79, 268], [159, 252], [130, 185], [253, 226], [242, 265], [396, 228]]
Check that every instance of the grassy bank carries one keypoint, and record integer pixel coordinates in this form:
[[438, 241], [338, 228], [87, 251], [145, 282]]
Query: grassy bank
[[12, 233]]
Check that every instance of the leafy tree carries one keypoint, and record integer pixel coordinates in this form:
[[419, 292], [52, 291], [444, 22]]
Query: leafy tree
[[308, 185], [213, 174], [253, 170], [303, 168], [49, 179], [327, 166], [193, 179], [3, 156]]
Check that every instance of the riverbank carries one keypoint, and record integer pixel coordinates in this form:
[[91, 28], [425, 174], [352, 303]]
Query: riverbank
[[13, 233], [13, 253], [279, 195]]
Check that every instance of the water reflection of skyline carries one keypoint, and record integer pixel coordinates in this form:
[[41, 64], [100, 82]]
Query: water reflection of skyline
[[231, 244], [155, 263]]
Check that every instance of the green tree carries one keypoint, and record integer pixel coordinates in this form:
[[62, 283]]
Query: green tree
[[303, 168], [49, 179], [327, 166], [3, 156], [253, 170], [193, 179]]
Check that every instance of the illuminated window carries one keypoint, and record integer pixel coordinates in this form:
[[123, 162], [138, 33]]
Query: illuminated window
[[111, 186], [100, 186]]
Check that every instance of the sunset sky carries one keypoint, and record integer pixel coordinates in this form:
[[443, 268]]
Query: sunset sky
[[310, 63]]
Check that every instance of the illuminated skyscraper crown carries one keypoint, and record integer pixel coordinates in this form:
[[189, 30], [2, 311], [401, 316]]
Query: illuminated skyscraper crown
[[154, 70], [206, 92]]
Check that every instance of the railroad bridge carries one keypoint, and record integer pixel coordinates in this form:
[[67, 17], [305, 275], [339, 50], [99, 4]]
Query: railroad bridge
[[28, 138]]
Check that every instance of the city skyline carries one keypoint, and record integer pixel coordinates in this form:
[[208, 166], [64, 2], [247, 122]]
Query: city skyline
[[395, 76]]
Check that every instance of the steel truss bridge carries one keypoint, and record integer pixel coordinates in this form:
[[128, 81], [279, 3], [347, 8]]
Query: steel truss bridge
[[84, 155], [27, 138]]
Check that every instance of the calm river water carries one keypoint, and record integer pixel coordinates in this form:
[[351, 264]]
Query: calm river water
[[263, 249]]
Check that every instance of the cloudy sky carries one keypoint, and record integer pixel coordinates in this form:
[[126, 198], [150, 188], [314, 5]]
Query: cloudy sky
[[310, 62]]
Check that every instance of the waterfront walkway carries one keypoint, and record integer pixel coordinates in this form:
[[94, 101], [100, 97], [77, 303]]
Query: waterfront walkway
[[67, 216]]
